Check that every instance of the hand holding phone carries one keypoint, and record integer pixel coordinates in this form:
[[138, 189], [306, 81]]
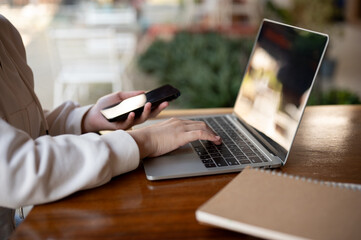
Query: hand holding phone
[[120, 111]]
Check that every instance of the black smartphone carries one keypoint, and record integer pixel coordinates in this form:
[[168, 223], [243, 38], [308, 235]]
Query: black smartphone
[[120, 111]]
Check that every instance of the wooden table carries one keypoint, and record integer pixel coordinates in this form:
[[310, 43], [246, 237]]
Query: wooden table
[[327, 147]]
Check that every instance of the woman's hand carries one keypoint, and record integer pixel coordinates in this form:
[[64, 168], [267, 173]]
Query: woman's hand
[[94, 121], [161, 138]]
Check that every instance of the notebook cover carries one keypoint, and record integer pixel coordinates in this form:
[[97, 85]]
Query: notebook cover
[[264, 204]]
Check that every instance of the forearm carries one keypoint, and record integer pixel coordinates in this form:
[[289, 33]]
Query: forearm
[[50, 168]]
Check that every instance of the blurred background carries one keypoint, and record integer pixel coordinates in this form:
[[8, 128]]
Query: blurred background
[[84, 49]]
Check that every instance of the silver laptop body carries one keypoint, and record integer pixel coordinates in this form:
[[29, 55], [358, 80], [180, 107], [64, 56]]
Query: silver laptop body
[[274, 91]]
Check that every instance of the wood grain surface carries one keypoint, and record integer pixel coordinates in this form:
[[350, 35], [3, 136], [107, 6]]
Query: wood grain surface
[[327, 147]]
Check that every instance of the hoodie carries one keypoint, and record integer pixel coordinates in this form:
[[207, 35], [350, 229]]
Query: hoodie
[[43, 154]]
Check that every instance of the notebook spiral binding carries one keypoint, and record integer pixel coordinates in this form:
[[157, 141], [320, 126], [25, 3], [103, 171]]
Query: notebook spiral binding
[[350, 186]]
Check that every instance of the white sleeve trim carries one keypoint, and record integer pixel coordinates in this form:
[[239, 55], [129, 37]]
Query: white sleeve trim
[[123, 147]]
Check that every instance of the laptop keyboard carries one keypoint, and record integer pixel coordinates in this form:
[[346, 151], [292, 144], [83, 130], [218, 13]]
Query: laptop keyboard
[[235, 149]]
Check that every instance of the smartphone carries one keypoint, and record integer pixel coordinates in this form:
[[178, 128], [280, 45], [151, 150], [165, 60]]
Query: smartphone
[[120, 111]]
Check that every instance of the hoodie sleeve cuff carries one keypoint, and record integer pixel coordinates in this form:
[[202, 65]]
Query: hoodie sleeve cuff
[[75, 118], [124, 155]]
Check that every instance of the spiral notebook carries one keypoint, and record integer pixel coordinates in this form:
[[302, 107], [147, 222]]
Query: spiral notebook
[[276, 206]]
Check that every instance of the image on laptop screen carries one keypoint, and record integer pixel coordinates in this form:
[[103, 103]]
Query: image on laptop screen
[[277, 83]]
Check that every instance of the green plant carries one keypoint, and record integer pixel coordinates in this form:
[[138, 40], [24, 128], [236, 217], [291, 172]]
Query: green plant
[[317, 15], [333, 96], [206, 67]]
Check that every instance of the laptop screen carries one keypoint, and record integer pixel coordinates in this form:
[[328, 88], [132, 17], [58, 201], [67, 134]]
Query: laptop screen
[[277, 83]]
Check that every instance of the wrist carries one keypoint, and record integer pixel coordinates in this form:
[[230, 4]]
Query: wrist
[[142, 140], [83, 129], [85, 122]]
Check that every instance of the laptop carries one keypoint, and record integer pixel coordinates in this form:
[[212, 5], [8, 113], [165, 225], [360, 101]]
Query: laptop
[[267, 113]]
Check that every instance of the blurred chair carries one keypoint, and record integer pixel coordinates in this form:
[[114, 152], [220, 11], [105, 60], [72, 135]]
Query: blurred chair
[[83, 57], [126, 44], [120, 18]]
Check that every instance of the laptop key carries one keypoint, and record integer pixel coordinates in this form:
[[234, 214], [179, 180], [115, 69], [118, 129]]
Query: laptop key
[[198, 148], [219, 147], [232, 146], [224, 151], [244, 161], [237, 152], [212, 150], [227, 155], [201, 152], [244, 147], [220, 162], [206, 156], [210, 165], [232, 161], [196, 144], [215, 155], [207, 160], [241, 156], [208, 144], [255, 159], [248, 152]]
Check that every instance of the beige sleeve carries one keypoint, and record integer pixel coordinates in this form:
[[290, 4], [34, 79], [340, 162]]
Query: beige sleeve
[[50, 168]]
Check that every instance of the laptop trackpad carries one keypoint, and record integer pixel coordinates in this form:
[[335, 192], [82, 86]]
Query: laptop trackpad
[[178, 163]]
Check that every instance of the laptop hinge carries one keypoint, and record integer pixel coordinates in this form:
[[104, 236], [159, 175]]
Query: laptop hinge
[[259, 138]]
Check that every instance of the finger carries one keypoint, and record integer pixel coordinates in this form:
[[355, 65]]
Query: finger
[[128, 122], [180, 121], [203, 135], [160, 108], [146, 112], [194, 125], [125, 95], [189, 122]]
